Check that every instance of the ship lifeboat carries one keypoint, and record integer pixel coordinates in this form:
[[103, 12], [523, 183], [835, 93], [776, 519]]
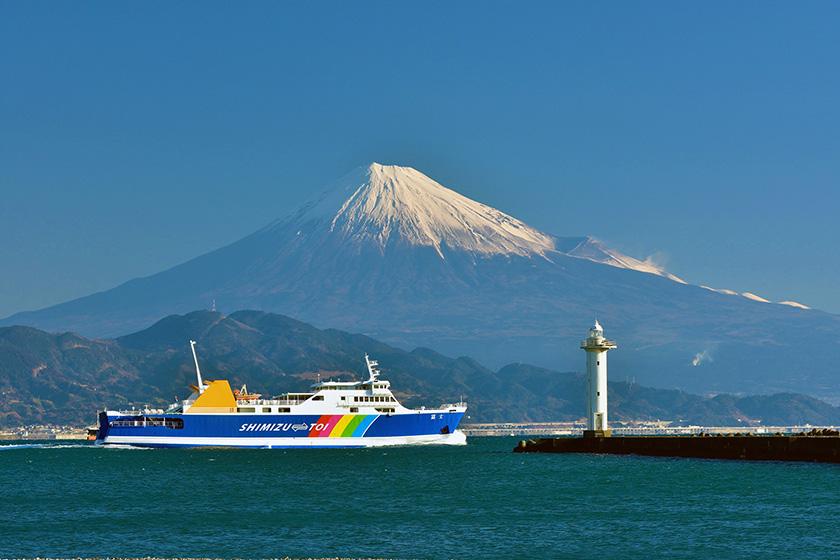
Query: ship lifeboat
[[242, 395]]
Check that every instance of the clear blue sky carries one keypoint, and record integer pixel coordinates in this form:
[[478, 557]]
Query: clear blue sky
[[134, 136]]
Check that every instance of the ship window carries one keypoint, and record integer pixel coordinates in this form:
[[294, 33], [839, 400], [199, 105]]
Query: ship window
[[246, 409], [598, 363], [266, 409], [354, 409], [146, 421], [318, 398], [284, 409]]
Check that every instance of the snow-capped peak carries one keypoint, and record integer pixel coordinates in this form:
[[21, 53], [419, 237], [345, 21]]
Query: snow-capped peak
[[754, 297], [594, 250], [389, 203], [796, 304], [385, 205]]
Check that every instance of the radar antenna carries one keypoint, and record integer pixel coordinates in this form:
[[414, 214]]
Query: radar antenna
[[373, 370]]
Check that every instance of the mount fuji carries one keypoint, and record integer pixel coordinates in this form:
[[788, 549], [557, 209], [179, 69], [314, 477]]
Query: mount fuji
[[390, 252]]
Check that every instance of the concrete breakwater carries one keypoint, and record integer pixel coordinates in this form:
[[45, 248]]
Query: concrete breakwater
[[628, 428], [821, 446]]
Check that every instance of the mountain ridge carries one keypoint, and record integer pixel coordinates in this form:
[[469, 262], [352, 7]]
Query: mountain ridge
[[65, 378]]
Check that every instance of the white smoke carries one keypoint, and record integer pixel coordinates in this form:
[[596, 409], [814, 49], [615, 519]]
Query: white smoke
[[657, 260], [700, 357]]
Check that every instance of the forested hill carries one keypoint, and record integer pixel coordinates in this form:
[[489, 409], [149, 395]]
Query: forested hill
[[66, 378]]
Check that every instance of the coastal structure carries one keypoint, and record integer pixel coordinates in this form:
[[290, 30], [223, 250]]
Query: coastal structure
[[333, 414], [596, 347], [816, 446]]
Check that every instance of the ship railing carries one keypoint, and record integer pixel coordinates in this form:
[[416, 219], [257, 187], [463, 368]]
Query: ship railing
[[460, 404], [140, 412]]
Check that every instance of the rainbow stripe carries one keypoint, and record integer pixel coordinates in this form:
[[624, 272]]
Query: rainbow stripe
[[342, 425]]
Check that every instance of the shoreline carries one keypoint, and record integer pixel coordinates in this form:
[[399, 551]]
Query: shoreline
[[489, 429]]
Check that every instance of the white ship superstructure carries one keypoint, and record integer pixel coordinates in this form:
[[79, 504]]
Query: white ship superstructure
[[332, 414]]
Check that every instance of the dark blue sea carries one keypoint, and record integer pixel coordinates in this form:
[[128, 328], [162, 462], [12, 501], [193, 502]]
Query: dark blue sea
[[478, 501]]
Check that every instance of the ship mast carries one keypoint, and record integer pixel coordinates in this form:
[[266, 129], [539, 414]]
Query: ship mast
[[373, 371], [197, 369]]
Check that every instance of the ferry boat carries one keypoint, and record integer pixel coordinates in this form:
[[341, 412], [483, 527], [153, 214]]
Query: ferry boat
[[333, 414]]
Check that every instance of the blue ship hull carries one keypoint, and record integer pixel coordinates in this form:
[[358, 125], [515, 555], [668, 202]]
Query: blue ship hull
[[279, 430]]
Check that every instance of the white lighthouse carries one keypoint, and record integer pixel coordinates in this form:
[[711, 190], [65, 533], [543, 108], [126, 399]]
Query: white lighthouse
[[596, 347]]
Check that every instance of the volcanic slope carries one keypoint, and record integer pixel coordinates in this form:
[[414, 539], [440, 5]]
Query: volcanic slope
[[390, 252]]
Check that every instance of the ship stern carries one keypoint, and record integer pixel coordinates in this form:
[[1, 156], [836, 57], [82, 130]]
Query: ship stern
[[104, 426]]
